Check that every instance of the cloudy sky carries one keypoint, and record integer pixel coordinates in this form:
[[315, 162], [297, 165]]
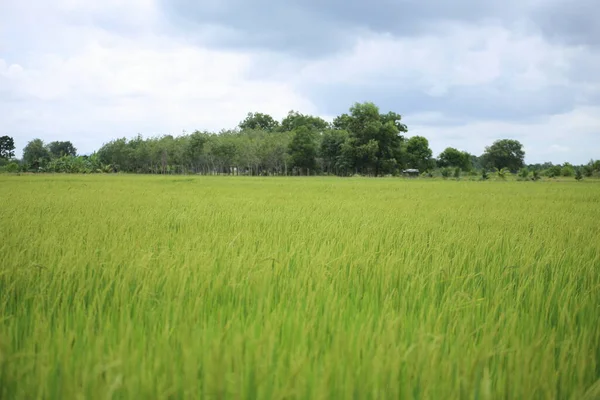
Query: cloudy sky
[[461, 73]]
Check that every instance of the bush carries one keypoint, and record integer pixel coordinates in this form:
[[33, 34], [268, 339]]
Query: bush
[[578, 174], [502, 173], [567, 170], [445, 172], [11, 167], [523, 173], [457, 171], [484, 175]]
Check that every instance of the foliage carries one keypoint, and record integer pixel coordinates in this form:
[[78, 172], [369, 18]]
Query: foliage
[[141, 287], [7, 147], [452, 157], [36, 155], [419, 154], [567, 170], [376, 138], [484, 175], [11, 167], [60, 149], [553, 171], [524, 173], [535, 176], [446, 172], [303, 149], [259, 121], [505, 153], [502, 173], [457, 172], [578, 174], [295, 120]]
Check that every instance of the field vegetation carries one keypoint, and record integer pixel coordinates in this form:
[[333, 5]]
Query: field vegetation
[[139, 287]]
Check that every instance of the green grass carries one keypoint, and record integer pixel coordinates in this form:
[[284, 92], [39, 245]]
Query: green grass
[[140, 287]]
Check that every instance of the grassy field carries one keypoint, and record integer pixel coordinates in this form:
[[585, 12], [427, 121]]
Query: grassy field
[[145, 287]]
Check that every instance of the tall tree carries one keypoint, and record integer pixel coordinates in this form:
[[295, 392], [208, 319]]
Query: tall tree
[[35, 154], [452, 157], [419, 154], [303, 149], [331, 148], [505, 153], [259, 121], [7, 147], [294, 120], [376, 136], [60, 149]]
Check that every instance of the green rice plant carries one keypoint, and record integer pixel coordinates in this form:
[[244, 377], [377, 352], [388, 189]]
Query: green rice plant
[[164, 287]]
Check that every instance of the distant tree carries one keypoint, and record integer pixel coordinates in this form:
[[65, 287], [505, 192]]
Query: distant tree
[[578, 174], [331, 147], [476, 162], [35, 154], [505, 153], [294, 120], [567, 170], [452, 157], [553, 171], [60, 149], [7, 147], [303, 149], [259, 121], [376, 138], [418, 153], [342, 122]]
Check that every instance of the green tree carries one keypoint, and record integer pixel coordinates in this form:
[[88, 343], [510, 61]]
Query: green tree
[[35, 154], [7, 147], [418, 153], [259, 121], [370, 131], [303, 149], [294, 120], [567, 170], [59, 149], [505, 153], [331, 148], [452, 157]]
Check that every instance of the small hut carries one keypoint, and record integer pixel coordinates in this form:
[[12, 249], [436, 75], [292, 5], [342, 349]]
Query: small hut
[[410, 172]]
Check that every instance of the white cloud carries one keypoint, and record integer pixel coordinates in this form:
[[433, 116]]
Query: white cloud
[[113, 86], [461, 56]]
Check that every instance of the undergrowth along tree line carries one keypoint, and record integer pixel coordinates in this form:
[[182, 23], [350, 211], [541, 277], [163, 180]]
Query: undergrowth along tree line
[[361, 142]]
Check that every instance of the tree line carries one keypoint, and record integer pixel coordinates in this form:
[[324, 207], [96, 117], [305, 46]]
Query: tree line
[[363, 141]]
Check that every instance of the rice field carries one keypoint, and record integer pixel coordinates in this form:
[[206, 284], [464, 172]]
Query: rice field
[[162, 287]]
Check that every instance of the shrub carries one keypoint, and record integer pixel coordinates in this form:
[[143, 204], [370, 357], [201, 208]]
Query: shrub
[[484, 175], [523, 173], [457, 171]]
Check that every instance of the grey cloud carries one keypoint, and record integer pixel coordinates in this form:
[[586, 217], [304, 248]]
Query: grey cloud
[[574, 22], [462, 103], [315, 27]]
